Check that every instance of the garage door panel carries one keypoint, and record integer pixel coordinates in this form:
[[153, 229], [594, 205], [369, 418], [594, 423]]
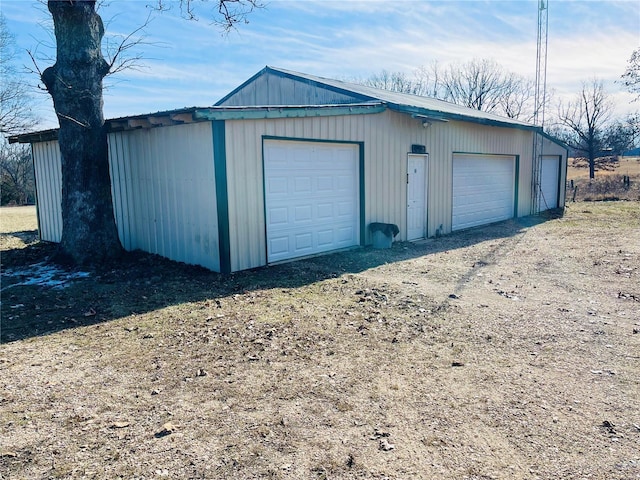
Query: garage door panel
[[303, 213], [483, 189], [304, 241], [325, 211], [277, 185], [321, 198], [325, 184], [325, 238], [345, 209], [278, 216], [302, 184], [344, 235], [279, 245]]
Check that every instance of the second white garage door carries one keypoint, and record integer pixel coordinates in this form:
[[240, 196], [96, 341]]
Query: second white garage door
[[549, 183], [311, 197], [483, 189]]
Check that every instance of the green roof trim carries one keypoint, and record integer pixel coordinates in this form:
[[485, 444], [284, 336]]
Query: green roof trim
[[462, 118]]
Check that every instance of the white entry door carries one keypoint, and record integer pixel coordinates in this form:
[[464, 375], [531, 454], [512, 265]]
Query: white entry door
[[311, 197], [417, 167]]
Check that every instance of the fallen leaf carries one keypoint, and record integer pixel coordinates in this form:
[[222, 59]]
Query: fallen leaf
[[167, 429], [386, 446]]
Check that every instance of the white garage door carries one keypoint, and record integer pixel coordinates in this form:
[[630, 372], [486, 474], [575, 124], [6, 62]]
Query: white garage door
[[483, 189], [311, 198], [549, 179]]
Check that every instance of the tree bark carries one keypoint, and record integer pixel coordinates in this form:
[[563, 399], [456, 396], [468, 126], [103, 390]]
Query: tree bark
[[89, 233]]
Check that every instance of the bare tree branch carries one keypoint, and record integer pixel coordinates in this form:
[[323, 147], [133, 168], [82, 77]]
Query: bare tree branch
[[631, 76], [15, 102], [119, 58]]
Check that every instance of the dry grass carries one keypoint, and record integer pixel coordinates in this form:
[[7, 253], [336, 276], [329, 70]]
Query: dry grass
[[506, 352], [609, 182], [625, 166]]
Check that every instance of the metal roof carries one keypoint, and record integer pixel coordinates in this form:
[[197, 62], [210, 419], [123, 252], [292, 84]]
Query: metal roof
[[366, 100], [403, 102]]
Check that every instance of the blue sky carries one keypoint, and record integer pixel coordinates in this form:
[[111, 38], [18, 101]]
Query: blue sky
[[192, 63]]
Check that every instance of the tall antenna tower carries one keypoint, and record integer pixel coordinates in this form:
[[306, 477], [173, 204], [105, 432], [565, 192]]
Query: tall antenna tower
[[540, 100]]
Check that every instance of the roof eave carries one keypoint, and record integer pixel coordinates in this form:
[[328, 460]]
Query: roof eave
[[286, 111], [35, 137], [193, 114], [462, 118], [554, 140]]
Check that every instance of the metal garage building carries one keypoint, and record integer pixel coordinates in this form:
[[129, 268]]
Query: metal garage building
[[289, 165]]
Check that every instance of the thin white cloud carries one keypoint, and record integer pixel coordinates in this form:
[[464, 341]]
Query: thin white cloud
[[197, 64]]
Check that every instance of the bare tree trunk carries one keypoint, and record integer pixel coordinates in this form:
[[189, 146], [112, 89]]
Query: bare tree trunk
[[89, 233]]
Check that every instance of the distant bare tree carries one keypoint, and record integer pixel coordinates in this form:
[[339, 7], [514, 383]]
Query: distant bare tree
[[631, 76], [623, 135], [17, 185], [15, 102], [423, 83], [583, 121], [517, 100], [392, 81], [484, 85], [429, 80], [479, 84]]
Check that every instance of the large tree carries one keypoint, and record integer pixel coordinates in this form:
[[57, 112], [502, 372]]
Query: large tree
[[75, 82], [582, 122], [89, 232]]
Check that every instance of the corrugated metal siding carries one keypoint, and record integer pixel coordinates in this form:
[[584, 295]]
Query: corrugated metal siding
[[48, 170], [164, 188], [164, 192], [387, 140], [272, 90]]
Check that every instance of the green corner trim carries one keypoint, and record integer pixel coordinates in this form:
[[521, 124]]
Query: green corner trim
[[222, 197], [363, 229], [35, 187], [560, 182], [516, 187]]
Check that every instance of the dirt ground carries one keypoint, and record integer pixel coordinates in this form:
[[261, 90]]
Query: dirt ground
[[506, 352]]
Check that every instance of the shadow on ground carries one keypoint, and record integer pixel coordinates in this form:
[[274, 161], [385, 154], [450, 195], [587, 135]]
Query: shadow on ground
[[141, 282]]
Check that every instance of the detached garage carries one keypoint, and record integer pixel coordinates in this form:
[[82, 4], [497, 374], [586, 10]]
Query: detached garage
[[289, 165]]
